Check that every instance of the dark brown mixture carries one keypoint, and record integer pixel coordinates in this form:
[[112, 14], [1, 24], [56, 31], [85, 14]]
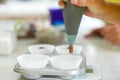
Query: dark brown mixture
[[41, 47], [70, 49]]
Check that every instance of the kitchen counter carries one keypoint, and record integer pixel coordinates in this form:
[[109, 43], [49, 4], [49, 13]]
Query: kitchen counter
[[102, 53], [26, 9], [98, 52], [7, 63]]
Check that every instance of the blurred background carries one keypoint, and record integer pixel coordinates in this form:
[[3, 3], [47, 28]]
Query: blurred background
[[26, 22]]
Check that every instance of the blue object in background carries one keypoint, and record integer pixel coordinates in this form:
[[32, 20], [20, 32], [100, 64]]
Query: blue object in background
[[56, 17]]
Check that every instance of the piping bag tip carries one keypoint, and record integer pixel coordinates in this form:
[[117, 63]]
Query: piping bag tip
[[71, 39]]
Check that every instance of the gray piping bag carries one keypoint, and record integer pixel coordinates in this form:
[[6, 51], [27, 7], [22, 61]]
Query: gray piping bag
[[72, 17]]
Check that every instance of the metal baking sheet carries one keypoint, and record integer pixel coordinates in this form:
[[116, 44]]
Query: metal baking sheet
[[47, 71], [50, 73], [92, 73]]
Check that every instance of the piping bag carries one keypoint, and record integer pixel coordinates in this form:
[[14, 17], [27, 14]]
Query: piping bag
[[72, 17]]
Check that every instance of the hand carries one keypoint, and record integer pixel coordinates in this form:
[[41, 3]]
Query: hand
[[112, 34], [108, 12], [94, 33]]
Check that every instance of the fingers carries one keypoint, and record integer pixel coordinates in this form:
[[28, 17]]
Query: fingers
[[79, 2], [112, 34], [61, 3], [88, 13], [74, 2], [115, 40], [94, 33]]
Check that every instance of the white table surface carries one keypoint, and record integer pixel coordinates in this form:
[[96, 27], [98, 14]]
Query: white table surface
[[97, 51]]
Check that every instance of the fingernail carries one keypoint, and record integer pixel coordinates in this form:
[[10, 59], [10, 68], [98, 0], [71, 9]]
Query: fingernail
[[74, 1]]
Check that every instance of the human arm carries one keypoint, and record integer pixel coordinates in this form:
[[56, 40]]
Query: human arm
[[101, 9]]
